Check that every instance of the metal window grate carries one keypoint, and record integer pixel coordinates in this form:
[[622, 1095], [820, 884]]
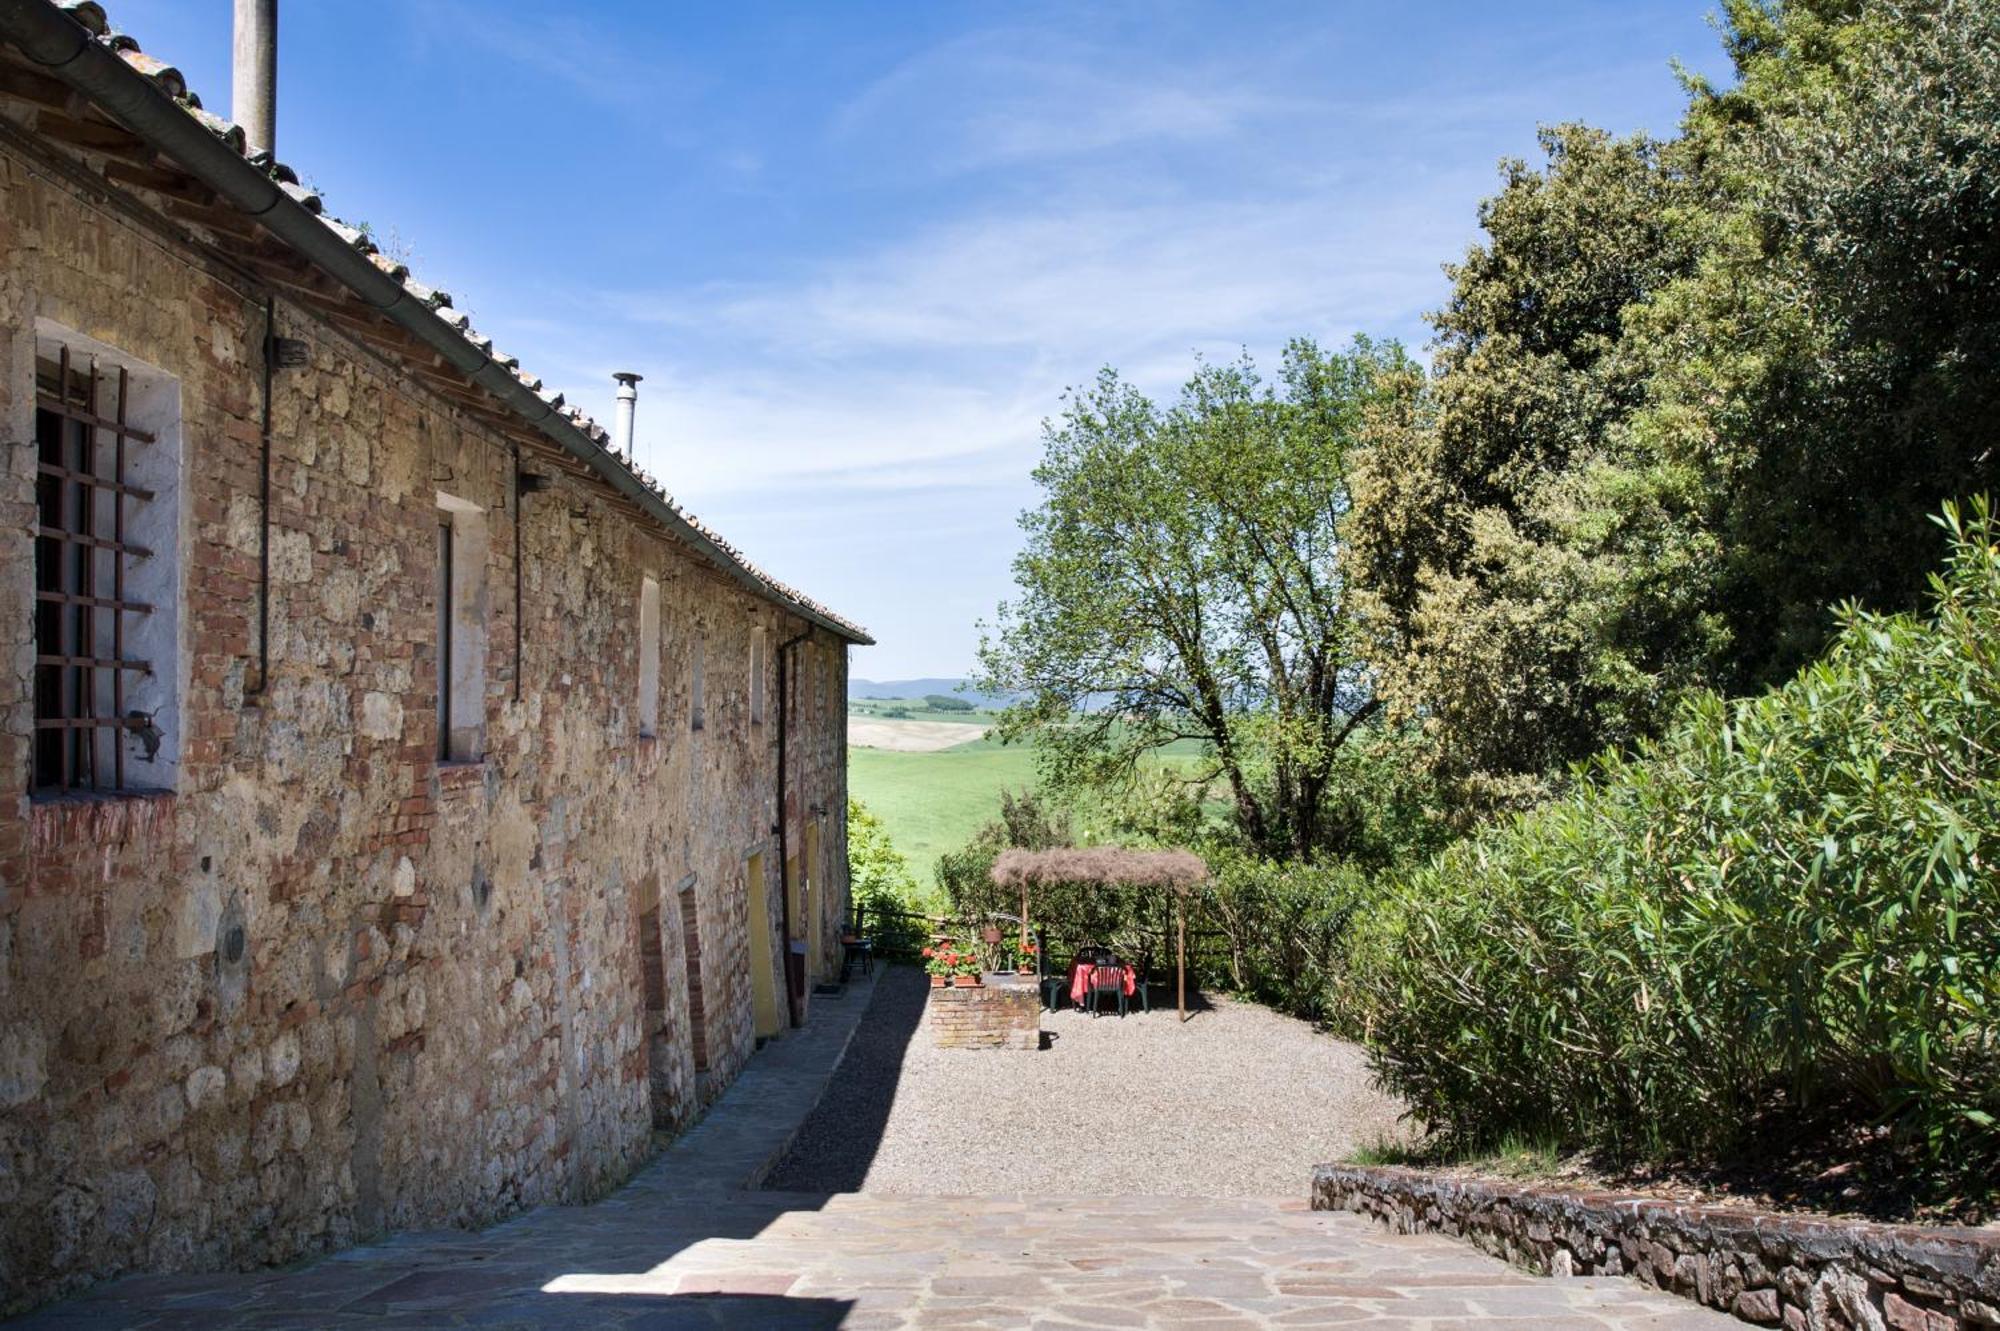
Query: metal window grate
[[81, 557]]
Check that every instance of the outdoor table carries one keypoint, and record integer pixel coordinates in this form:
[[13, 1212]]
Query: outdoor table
[[1079, 981], [857, 950]]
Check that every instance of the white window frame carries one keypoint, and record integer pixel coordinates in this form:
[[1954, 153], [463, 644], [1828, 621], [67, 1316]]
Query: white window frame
[[152, 752], [649, 656], [462, 695]]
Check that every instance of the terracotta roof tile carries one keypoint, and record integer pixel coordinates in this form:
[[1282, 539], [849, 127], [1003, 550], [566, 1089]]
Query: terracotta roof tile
[[87, 12]]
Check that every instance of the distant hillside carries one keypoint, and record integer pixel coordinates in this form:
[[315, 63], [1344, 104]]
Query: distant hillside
[[917, 688]]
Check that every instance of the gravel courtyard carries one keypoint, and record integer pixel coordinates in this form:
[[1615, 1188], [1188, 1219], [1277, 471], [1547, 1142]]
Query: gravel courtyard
[[683, 1244], [1239, 1102]]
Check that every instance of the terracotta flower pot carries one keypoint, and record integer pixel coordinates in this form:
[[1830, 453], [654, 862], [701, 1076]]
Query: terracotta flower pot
[[967, 981], [937, 981]]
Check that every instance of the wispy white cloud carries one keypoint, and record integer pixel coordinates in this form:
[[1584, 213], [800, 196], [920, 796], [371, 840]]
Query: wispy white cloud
[[933, 358], [1001, 96], [929, 355], [583, 56], [1037, 203], [1099, 282]]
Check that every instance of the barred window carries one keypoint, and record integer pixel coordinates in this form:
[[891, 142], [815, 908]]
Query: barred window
[[105, 588]]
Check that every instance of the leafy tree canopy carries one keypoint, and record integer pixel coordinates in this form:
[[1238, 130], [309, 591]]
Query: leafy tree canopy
[[1181, 581], [1687, 394], [945, 702]]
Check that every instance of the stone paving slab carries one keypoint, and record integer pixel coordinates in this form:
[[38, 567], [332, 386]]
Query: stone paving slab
[[686, 1244]]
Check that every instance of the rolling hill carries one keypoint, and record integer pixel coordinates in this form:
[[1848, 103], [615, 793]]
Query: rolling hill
[[917, 688]]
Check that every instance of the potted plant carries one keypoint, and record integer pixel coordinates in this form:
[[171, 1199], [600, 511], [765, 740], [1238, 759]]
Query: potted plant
[[939, 963], [965, 970], [1028, 951]]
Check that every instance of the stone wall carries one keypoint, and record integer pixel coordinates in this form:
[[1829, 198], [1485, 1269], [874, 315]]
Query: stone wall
[[1768, 1269], [326, 986], [1003, 1013]]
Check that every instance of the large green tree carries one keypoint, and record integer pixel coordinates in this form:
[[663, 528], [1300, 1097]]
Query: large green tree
[[1470, 544], [1688, 394], [1831, 371], [1181, 580]]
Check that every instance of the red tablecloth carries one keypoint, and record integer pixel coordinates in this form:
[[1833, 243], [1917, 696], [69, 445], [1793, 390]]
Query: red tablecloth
[[1079, 981]]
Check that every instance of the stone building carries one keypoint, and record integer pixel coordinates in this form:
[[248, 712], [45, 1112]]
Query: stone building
[[407, 809]]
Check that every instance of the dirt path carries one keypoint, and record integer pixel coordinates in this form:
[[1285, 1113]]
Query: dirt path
[[867, 732]]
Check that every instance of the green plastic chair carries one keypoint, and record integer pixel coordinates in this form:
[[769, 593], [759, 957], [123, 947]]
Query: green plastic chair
[[1106, 978]]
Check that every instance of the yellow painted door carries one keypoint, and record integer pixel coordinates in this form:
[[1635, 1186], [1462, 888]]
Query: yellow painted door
[[765, 1013], [814, 907]]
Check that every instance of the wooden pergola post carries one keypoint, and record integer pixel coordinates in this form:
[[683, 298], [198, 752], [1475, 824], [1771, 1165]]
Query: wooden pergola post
[[1180, 954], [1177, 871]]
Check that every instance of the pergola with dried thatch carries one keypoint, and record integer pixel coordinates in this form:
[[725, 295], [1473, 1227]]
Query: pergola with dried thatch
[[1178, 871]]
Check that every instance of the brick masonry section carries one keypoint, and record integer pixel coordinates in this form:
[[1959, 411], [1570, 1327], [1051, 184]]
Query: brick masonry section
[[1773, 1270], [1003, 1013], [323, 986]]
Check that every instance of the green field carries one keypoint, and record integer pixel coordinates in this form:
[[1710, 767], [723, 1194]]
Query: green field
[[935, 802]]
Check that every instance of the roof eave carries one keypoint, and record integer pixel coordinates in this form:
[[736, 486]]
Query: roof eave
[[57, 42]]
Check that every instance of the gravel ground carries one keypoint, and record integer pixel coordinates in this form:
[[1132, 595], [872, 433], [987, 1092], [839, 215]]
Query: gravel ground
[[1239, 1102]]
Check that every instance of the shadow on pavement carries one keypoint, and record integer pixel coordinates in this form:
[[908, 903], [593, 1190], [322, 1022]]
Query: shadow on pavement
[[841, 1136], [672, 1248]]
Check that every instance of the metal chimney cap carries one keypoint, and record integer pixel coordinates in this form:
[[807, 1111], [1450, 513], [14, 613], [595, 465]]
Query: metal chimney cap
[[627, 377]]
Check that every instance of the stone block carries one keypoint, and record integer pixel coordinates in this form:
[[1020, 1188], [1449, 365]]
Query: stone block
[[1757, 1305]]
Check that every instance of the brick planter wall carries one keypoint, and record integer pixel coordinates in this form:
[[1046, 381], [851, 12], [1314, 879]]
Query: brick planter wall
[[1801, 1273], [1004, 1013]]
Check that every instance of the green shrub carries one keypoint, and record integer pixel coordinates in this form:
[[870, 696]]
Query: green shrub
[[1278, 932], [886, 898], [1788, 905]]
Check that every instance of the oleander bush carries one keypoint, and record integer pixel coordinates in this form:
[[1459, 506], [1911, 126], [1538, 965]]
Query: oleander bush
[[1278, 932], [1786, 908]]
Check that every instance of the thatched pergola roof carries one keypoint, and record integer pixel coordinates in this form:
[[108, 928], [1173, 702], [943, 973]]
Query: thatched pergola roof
[[1178, 871], [1100, 866]]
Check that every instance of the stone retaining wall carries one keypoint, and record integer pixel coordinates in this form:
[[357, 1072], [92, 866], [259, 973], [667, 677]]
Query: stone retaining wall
[[1004, 1013], [1795, 1271]]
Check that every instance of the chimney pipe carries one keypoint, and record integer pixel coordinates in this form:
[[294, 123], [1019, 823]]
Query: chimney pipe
[[254, 76], [628, 402]]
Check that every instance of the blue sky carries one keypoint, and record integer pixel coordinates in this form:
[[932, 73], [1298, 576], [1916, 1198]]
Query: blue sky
[[859, 250]]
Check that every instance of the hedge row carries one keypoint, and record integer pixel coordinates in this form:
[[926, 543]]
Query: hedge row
[[1790, 903]]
